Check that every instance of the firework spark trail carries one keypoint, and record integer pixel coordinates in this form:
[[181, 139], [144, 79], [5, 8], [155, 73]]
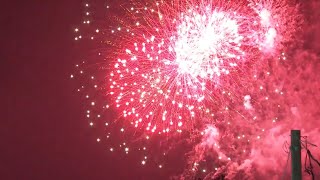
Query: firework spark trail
[[168, 77], [208, 67], [201, 65]]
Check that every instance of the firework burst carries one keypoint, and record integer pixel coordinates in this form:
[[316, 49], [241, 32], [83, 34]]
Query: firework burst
[[171, 71], [207, 68]]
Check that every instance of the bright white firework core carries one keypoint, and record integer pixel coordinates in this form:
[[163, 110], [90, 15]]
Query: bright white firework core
[[207, 43]]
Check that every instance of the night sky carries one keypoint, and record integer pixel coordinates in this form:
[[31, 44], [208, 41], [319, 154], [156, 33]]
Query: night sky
[[43, 133]]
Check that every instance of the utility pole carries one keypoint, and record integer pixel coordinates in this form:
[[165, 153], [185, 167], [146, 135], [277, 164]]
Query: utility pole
[[295, 149]]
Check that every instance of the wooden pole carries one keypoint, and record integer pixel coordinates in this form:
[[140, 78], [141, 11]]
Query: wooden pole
[[295, 149]]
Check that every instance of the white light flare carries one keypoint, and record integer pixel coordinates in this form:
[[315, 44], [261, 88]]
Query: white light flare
[[207, 43]]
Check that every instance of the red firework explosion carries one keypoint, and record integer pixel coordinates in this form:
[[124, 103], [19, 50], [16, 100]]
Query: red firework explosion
[[208, 68], [178, 61]]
